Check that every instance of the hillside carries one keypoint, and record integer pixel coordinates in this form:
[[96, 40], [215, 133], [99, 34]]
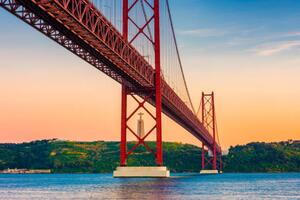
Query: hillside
[[264, 157], [103, 157], [93, 157]]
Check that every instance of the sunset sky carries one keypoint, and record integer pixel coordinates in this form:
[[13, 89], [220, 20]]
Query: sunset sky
[[246, 51]]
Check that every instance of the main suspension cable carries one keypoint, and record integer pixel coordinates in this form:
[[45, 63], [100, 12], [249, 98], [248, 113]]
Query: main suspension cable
[[178, 55]]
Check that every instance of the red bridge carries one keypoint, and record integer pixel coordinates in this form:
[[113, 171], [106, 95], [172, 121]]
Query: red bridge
[[144, 59]]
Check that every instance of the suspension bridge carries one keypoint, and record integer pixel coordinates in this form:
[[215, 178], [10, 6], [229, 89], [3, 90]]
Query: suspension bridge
[[134, 43]]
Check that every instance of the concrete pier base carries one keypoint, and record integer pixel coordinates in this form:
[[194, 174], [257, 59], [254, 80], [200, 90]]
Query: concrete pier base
[[141, 172], [206, 171]]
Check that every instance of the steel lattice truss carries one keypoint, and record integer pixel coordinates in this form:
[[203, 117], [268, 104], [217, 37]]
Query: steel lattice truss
[[79, 27]]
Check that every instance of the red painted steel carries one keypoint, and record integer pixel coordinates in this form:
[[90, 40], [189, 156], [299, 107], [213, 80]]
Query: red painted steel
[[158, 99], [141, 141], [209, 121], [79, 27], [214, 131], [155, 91], [220, 163], [203, 156], [123, 144]]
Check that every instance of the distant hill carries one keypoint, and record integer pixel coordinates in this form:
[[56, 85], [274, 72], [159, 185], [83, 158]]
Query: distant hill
[[264, 157], [103, 157], [93, 157]]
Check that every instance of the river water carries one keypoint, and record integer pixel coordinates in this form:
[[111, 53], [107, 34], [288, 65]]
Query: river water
[[179, 186]]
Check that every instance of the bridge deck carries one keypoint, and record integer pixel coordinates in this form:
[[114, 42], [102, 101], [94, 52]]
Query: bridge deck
[[81, 28]]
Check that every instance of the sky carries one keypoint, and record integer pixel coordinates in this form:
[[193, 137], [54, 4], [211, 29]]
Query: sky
[[246, 51]]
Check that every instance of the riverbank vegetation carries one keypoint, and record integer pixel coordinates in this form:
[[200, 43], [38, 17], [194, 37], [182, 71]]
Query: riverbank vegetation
[[264, 157], [103, 157]]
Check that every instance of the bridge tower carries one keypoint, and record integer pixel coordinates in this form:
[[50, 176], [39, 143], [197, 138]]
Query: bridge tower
[[144, 93], [208, 118]]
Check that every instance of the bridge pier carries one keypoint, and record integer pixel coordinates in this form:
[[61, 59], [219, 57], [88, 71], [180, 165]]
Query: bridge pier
[[142, 172], [209, 171]]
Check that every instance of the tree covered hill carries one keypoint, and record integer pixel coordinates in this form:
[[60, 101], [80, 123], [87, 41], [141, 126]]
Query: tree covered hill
[[93, 157], [264, 157], [102, 157]]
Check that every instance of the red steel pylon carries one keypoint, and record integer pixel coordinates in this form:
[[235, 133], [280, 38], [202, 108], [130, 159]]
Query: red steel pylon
[[147, 93], [208, 119]]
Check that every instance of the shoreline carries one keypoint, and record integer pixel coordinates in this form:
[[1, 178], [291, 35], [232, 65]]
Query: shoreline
[[26, 171]]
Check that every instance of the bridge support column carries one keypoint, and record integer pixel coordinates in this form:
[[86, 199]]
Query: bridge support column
[[203, 167], [220, 164], [123, 144], [203, 157], [145, 94], [159, 152], [209, 122]]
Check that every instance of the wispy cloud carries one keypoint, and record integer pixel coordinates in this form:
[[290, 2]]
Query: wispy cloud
[[203, 32], [267, 38], [274, 48], [293, 34]]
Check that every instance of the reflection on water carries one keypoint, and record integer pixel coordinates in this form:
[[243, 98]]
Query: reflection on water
[[143, 189], [180, 186]]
